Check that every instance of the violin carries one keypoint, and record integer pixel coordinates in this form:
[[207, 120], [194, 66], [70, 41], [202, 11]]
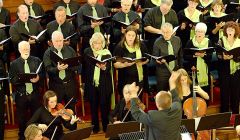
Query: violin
[[139, 104], [60, 110]]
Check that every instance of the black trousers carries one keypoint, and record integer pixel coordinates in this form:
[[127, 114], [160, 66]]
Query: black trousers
[[99, 100], [25, 103], [2, 111], [230, 90]]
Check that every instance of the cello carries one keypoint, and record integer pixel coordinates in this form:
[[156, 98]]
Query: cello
[[196, 107]]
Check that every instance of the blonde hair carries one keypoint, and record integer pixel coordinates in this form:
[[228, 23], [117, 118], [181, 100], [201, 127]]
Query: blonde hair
[[163, 99], [23, 44], [182, 72], [31, 132], [95, 37]]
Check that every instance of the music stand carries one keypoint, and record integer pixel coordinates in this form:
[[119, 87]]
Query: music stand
[[189, 124], [114, 129], [78, 134], [132, 136], [214, 121]]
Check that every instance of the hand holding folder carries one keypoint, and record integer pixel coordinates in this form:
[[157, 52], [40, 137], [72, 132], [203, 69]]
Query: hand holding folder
[[95, 61], [193, 51], [26, 77], [39, 17], [3, 26], [130, 60], [33, 37], [168, 58], [124, 24], [73, 61], [235, 52], [97, 19]]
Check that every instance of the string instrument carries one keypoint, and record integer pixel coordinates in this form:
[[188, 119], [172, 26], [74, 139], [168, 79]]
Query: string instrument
[[196, 107], [59, 110], [128, 105]]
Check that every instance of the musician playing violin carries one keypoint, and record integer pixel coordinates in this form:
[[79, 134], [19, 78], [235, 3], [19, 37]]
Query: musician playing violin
[[48, 112]]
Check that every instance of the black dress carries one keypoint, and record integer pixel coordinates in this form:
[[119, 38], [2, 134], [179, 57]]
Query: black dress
[[43, 116]]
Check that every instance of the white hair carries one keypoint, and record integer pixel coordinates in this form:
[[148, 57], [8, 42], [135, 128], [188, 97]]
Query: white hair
[[23, 44], [130, 1], [97, 36], [201, 27], [56, 33], [167, 25], [168, 2]]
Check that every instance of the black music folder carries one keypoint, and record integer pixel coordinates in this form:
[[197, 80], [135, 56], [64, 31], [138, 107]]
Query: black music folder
[[79, 134], [114, 129], [25, 77], [37, 37], [97, 19], [73, 61], [72, 35], [120, 24], [130, 60], [72, 15], [39, 17], [4, 41], [213, 121], [208, 50], [232, 7], [5, 26], [95, 61], [187, 21], [235, 52], [168, 58], [214, 20]]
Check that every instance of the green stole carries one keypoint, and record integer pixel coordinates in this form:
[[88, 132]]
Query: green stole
[[202, 75], [205, 4], [234, 66], [96, 74], [156, 2], [194, 18], [138, 55], [221, 30]]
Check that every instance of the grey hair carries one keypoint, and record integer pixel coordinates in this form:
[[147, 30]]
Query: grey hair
[[23, 44], [55, 33], [95, 37], [168, 2], [167, 25], [21, 6], [201, 26], [60, 8]]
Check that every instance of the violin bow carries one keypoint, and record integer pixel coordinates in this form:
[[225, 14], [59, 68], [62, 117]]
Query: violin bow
[[58, 115], [54, 133], [131, 106]]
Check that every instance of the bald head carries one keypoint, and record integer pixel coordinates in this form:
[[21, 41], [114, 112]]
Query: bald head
[[57, 40], [24, 49], [22, 12], [163, 100]]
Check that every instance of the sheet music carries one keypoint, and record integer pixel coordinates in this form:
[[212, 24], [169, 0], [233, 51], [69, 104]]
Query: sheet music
[[40, 34], [70, 36], [197, 120], [175, 29], [39, 67], [3, 41]]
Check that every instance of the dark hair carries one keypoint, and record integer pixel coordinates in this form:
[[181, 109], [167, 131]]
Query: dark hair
[[231, 24], [48, 94], [136, 41]]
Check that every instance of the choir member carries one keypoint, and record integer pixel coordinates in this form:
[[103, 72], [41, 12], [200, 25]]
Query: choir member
[[200, 59], [27, 27], [89, 27], [61, 76], [26, 93], [62, 25], [46, 114], [163, 46], [205, 6], [229, 69], [154, 19], [71, 8], [98, 81], [129, 72], [188, 17], [215, 28], [5, 17], [127, 16], [34, 8], [164, 122], [33, 132]]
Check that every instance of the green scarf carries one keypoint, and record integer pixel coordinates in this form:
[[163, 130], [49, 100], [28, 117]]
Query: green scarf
[[202, 75], [234, 66], [156, 2], [194, 18], [205, 4], [220, 32], [96, 74], [138, 55]]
